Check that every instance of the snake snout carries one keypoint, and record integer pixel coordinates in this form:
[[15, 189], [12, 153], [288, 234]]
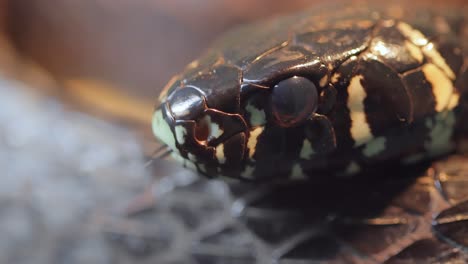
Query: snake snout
[[186, 103], [198, 133]]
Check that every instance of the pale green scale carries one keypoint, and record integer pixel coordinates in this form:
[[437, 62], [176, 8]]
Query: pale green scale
[[186, 163], [257, 116], [248, 172], [297, 172], [192, 157], [202, 168], [374, 147], [180, 133], [306, 151], [162, 130], [215, 131], [441, 127], [418, 157]]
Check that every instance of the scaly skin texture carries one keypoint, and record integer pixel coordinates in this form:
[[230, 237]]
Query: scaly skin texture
[[392, 89]]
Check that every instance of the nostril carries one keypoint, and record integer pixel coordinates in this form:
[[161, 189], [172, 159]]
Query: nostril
[[186, 103], [202, 131], [208, 129]]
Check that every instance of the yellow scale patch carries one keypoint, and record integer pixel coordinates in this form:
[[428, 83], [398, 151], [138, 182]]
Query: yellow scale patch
[[441, 77], [253, 138], [412, 34], [415, 52], [220, 154], [323, 81], [442, 87], [360, 130], [438, 73], [430, 51]]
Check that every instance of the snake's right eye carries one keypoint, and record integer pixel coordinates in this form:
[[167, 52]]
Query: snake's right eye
[[293, 101]]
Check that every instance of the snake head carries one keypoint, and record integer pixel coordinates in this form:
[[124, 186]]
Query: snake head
[[199, 120], [224, 120], [299, 97]]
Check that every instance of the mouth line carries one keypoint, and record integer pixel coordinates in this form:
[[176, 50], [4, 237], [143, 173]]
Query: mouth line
[[159, 153], [230, 138]]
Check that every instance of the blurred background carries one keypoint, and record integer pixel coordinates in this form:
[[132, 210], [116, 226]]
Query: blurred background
[[78, 82], [131, 48]]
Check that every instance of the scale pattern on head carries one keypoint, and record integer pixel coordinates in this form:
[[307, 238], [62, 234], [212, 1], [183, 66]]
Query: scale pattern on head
[[332, 93]]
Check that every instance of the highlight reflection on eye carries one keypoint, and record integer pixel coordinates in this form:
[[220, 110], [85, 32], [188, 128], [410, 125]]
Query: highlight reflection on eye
[[293, 101]]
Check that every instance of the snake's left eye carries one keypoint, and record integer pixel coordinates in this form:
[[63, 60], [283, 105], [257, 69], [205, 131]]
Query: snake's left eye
[[293, 101]]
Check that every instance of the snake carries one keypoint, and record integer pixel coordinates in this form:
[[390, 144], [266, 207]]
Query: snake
[[339, 92]]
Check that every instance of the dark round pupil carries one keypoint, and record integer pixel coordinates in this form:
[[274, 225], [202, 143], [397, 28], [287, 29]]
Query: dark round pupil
[[293, 101]]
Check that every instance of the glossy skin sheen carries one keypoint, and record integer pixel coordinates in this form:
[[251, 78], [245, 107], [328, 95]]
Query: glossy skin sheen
[[388, 91]]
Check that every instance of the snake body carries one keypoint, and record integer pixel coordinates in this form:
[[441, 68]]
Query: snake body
[[321, 92]]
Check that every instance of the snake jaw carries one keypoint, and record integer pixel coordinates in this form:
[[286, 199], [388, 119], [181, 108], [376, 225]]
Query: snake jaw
[[211, 139]]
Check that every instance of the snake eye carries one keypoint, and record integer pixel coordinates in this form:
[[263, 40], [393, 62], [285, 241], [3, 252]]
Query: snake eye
[[293, 100]]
